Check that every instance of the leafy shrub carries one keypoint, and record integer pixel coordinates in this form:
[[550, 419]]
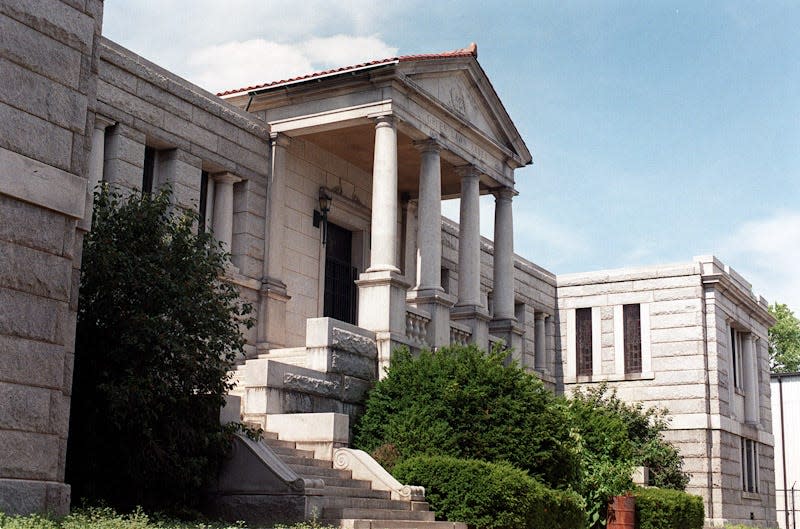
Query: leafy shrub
[[490, 495], [462, 402], [157, 332], [668, 509], [614, 438]]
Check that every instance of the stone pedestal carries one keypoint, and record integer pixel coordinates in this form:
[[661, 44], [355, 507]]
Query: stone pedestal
[[382, 310], [511, 332], [477, 319], [438, 304], [272, 315]]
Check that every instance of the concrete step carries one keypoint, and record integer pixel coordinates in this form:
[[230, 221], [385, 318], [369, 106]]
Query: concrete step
[[359, 492], [292, 452], [352, 502], [391, 524], [377, 514], [269, 435], [306, 461], [277, 443], [309, 470], [341, 482]]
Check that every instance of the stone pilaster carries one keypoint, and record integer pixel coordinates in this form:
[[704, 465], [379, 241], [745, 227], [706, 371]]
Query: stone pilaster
[[273, 295], [540, 342]]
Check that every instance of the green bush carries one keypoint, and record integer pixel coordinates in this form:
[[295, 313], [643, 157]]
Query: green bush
[[668, 509], [158, 331], [462, 402], [490, 495]]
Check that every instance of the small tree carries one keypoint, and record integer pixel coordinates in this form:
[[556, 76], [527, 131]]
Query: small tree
[[784, 340], [615, 437], [158, 331]]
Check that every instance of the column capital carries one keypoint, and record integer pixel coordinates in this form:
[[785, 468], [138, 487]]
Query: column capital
[[428, 145], [540, 316], [101, 122], [385, 120], [504, 193], [279, 139], [225, 178], [468, 171]]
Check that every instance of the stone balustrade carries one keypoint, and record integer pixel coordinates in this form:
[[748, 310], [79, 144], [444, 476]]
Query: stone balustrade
[[495, 341], [417, 321], [459, 334]]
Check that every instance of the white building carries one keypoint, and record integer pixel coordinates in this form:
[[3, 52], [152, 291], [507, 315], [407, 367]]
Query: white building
[[785, 420]]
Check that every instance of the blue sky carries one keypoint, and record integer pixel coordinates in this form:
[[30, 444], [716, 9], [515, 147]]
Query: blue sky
[[660, 130]]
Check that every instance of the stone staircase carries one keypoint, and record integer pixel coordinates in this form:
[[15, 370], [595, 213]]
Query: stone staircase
[[350, 503]]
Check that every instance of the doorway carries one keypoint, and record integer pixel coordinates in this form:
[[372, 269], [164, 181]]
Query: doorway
[[341, 294]]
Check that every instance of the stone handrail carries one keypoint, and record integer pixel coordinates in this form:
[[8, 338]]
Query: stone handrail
[[417, 321], [495, 340], [459, 334], [365, 468]]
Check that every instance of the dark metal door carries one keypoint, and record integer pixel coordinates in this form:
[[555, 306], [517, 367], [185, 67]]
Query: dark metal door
[[340, 275]]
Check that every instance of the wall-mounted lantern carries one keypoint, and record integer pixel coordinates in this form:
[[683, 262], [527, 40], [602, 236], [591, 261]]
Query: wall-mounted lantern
[[321, 215]]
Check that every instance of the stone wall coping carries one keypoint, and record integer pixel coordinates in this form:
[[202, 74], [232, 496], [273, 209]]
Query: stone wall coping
[[136, 64]]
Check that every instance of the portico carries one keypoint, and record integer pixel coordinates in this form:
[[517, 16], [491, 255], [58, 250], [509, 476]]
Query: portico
[[419, 129]]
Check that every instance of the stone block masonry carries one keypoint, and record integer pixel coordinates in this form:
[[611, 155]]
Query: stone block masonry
[[48, 72]]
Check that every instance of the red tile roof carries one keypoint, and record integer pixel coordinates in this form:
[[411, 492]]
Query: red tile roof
[[471, 50]]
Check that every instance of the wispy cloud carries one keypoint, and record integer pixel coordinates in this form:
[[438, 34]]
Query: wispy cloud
[[237, 64], [767, 252]]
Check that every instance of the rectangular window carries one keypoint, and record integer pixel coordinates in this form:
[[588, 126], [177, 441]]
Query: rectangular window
[[149, 169], [736, 358], [632, 329], [583, 341], [749, 465], [203, 201]]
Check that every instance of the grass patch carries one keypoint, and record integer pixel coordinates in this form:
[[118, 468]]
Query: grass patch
[[108, 518]]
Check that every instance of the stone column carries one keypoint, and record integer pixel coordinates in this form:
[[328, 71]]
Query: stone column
[[96, 162], [503, 291], [469, 307], [469, 239], [223, 208], [273, 295], [540, 342], [383, 254], [428, 293], [750, 379], [381, 289], [429, 231]]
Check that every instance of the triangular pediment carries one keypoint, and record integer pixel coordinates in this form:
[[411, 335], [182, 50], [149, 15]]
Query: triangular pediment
[[466, 92]]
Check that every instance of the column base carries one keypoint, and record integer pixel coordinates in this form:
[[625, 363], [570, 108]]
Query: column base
[[272, 315], [476, 318], [512, 333], [438, 303], [382, 310]]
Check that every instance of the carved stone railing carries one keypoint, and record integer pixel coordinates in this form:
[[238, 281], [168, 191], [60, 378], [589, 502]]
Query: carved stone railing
[[365, 468], [496, 341], [459, 334], [417, 321]]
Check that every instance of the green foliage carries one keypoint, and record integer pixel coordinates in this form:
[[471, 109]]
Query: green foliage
[[157, 332], [108, 518], [615, 437], [462, 402], [784, 340], [668, 509], [490, 495]]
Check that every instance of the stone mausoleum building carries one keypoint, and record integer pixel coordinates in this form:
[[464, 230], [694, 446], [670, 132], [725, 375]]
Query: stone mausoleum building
[[327, 191]]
